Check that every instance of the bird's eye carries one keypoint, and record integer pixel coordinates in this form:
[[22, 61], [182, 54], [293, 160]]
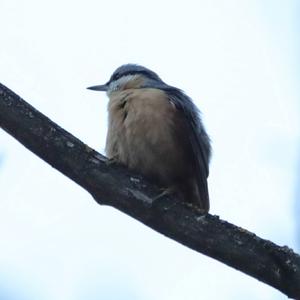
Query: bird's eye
[[117, 76]]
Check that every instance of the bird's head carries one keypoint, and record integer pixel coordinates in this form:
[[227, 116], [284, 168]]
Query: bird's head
[[128, 76]]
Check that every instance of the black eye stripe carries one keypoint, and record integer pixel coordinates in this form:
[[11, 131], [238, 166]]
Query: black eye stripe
[[118, 75]]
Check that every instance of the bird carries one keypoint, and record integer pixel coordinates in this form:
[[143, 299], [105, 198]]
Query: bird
[[155, 129]]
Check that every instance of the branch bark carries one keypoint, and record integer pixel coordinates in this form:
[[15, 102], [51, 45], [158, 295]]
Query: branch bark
[[114, 185]]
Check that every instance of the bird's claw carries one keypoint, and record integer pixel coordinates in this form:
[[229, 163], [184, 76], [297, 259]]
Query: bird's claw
[[111, 161]]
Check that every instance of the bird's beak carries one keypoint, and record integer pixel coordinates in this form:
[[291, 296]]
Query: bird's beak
[[103, 87]]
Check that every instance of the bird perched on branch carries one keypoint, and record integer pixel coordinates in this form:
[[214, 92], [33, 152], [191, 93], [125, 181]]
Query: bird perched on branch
[[155, 129]]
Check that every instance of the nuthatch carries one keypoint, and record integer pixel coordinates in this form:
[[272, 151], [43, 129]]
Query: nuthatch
[[155, 129]]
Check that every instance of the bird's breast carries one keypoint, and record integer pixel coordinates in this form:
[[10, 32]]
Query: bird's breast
[[143, 131]]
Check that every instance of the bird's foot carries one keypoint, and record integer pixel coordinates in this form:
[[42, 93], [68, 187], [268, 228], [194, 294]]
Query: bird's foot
[[165, 191], [111, 161], [196, 208]]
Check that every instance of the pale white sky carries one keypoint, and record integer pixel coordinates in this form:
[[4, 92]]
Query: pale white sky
[[236, 59]]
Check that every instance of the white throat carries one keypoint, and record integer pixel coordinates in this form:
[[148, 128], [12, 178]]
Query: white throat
[[120, 83]]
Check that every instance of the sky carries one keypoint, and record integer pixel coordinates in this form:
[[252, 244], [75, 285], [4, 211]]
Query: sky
[[237, 59]]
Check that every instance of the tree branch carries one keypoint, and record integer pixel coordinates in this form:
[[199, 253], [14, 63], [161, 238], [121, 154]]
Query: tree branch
[[114, 185]]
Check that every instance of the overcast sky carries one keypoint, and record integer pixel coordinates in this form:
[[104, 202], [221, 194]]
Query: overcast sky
[[238, 60]]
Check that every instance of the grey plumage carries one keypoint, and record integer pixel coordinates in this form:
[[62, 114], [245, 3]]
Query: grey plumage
[[131, 69], [136, 112]]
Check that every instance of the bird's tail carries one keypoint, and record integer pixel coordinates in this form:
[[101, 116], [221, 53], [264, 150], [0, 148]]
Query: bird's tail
[[191, 194]]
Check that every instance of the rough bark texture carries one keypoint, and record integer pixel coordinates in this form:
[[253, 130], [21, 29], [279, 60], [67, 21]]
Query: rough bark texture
[[113, 185]]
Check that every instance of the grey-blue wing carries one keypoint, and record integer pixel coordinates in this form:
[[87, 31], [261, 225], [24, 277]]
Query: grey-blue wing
[[198, 139]]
